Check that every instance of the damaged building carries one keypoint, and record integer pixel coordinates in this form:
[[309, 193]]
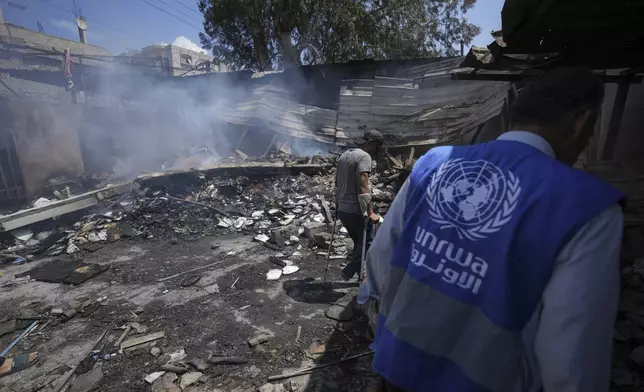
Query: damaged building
[[171, 233]]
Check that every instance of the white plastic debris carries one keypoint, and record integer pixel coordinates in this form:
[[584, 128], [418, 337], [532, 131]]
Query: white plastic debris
[[239, 222], [294, 238], [225, 223], [177, 356], [274, 274], [42, 202], [24, 234], [261, 237], [319, 218], [264, 225], [102, 235], [72, 248], [93, 237], [300, 230], [273, 211], [152, 377], [290, 269], [298, 210], [257, 214], [316, 206], [249, 222], [343, 230]]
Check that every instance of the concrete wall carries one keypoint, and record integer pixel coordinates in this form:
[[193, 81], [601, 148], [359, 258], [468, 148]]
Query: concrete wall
[[46, 141], [177, 62], [17, 34]]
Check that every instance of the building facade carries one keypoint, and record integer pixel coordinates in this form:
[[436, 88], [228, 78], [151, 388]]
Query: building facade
[[172, 60]]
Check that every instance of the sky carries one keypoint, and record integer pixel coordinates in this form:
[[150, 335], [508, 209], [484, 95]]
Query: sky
[[121, 25]]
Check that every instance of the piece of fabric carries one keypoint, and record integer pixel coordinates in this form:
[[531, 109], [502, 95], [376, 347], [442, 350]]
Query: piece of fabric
[[354, 223], [504, 295], [350, 164]]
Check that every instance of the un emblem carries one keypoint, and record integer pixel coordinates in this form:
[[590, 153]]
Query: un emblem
[[474, 197]]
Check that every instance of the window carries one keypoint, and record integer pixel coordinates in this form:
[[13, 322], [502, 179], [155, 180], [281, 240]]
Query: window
[[186, 59]]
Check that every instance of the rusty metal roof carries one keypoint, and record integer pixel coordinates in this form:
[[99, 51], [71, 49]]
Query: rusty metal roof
[[424, 108]]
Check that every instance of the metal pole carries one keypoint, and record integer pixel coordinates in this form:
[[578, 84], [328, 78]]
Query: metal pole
[[363, 269], [328, 253], [22, 335]]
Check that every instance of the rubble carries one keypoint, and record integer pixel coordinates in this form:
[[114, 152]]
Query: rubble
[[191, 210]]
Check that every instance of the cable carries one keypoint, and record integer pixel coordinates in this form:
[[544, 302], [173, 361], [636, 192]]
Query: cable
[[90, 20], [176, 9], [171, 14], [196, 12]]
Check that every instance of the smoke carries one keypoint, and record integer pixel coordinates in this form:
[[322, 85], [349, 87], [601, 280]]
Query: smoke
[[148, 123]]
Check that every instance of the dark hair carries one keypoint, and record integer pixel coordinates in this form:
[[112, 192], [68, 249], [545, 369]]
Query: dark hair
[[557, 95]]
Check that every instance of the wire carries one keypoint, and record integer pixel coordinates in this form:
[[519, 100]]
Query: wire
[[196, 12], [171, 14], [176, 9], [91, 20]]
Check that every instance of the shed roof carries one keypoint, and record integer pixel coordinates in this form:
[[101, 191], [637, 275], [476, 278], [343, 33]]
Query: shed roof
[[424, 108]]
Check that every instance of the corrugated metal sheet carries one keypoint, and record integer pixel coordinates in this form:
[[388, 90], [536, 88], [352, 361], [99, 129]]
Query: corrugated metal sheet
[[426, 108], [274, 109]]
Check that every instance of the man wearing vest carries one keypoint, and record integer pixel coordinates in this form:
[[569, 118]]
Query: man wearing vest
[[497, 268]]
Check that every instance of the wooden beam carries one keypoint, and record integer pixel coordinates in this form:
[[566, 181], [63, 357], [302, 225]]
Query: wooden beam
[[517, 76], [270, 145], [241, 138], [615, 120]]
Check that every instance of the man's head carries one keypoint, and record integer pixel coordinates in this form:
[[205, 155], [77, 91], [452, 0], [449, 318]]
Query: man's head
[[371, 142], [561, 106]]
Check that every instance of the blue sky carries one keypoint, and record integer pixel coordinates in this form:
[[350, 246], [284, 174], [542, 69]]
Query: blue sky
[[120, 25]]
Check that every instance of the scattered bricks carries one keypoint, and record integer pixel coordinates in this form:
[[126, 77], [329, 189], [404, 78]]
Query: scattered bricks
[[259, 339], [313, 228], [322, 240], [281, 234]]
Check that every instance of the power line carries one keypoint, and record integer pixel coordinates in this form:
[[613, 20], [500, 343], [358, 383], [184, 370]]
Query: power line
[[176, 9], [196, 12], [91, 20], [169, 13]]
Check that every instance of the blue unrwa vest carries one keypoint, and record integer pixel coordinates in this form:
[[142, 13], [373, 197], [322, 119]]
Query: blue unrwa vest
[[483, 227]]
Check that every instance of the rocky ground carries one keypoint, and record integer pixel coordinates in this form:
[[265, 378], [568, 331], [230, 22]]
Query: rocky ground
[[240, 230]]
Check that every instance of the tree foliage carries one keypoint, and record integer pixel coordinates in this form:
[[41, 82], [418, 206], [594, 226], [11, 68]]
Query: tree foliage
[[262, 34]]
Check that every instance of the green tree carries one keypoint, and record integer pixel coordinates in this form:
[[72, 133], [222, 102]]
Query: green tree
[[268, 34]]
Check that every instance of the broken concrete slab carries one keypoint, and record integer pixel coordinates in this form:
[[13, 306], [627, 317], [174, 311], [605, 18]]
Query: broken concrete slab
[[248, 169], [189, 379], [313, 228], [166, 383], [88, 381], [152, 377], [57, 208], [340, 312]]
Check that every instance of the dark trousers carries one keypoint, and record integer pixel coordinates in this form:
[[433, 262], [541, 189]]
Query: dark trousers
[[354, 223]]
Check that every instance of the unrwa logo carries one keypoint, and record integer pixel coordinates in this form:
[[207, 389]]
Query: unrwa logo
[[476, 198]]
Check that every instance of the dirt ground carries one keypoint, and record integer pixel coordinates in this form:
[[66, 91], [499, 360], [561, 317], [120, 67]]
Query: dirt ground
[[231, 303]]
